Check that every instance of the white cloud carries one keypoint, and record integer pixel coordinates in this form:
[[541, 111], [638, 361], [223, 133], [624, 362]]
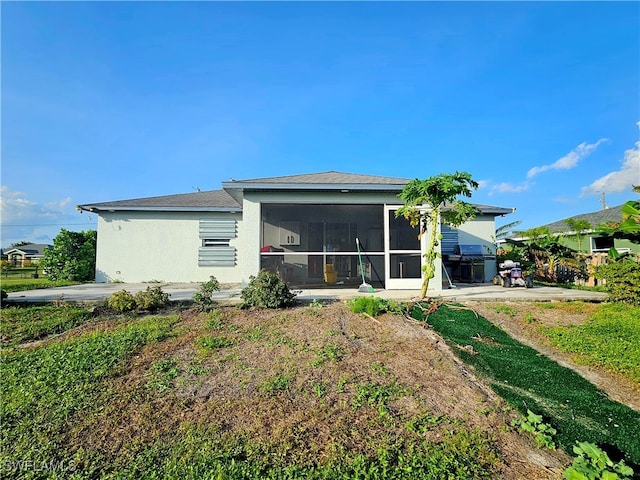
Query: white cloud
[[570, 160], [26, 220], [506, 187], [619, 180], [17, 207]]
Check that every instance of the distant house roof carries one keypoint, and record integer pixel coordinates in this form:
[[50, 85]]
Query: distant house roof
[[28, 250], [613, 214], [230, 198]]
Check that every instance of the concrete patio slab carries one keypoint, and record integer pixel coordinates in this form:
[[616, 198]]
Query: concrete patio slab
[[183, 292]]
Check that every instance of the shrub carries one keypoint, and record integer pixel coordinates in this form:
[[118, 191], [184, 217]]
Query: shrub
[[623, 281], [267, 290], [122, 301], [203, 299], [152, 298], [374, 306]]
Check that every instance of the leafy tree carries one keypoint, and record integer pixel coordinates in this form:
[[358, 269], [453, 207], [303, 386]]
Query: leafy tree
[[579, 226], [433, 199], [73, 256], [629, 228]]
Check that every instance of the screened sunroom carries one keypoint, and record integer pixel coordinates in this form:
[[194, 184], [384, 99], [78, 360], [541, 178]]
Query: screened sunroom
[[315, 245]]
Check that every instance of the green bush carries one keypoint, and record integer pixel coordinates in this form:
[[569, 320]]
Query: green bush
[[623, 280], [374, 306], [152, 298], [203, 299], [267, 290], [122, 301]]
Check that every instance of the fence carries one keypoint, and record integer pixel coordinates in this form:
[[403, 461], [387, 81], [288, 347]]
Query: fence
[[579, 270]]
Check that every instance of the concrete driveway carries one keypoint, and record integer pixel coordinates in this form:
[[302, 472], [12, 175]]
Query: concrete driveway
[[183, 292]]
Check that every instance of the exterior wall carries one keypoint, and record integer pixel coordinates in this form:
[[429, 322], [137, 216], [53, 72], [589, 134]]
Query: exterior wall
[[587, 243], [163, 246], [481, 231], [249, 240], [157, 246]]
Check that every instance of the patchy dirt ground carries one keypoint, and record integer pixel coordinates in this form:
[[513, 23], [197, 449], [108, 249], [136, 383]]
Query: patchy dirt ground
[[524, 326], [290, 377]]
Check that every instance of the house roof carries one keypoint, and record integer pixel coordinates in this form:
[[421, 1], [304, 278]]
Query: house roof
[[323, 181], [211, 200], [230, 198], [323, 178], [613, 214], [30, 249]]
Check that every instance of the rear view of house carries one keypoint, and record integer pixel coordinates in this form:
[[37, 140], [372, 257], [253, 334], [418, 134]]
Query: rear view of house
[[304, 227]]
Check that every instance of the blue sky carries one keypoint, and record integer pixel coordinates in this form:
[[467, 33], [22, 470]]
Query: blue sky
[[104, 101]]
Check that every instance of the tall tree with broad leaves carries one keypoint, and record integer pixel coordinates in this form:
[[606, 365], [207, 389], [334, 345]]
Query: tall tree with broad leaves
[[73, 256], [436, 199], [629, 227]]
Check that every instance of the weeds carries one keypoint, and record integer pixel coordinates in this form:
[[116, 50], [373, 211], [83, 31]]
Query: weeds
[[216, 319], [593, 463], [541, 431], [331, 352], [43, 389], [162, 374], [506, 309], [611, 338], [377, 395], [374, 306], [210, 343], [277, 384], [22, 324]]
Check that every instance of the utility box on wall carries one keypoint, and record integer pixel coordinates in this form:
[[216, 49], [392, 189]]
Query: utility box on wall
[[290, 233]]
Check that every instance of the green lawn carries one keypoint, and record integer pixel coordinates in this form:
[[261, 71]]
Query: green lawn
[[81, 386], [61, 398], [610, 339], [18, 282], [23, 323], [529, 380]]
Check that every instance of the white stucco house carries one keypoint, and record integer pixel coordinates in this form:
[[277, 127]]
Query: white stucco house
[[304, 227]]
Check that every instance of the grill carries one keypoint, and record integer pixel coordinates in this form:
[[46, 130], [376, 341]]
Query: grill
[[467, 263]]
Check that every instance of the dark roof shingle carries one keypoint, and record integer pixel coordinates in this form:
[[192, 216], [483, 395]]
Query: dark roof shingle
[[211, 199], [613, 214]]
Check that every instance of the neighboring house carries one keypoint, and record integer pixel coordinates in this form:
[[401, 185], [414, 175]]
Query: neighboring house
[[26, 254], [589, 241], [304, 227]]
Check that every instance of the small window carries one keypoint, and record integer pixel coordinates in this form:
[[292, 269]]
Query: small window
[[602, 244], [215, 242]]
